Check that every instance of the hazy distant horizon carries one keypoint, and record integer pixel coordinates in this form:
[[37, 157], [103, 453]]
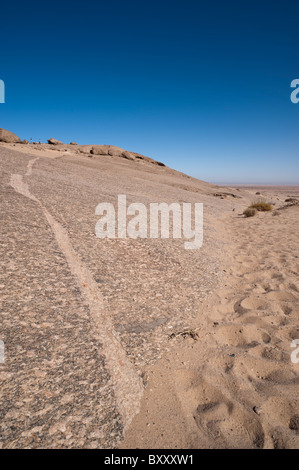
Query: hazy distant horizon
[[258, 185]]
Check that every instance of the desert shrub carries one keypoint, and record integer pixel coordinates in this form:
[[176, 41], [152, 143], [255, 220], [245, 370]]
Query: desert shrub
[[261, 205], [249, 212]]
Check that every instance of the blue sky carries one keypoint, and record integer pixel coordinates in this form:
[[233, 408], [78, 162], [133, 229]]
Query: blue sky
[[201, 86]]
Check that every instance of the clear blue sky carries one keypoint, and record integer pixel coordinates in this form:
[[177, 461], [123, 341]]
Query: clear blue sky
[[203, 86]]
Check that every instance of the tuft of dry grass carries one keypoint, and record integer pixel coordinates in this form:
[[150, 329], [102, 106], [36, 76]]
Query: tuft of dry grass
[[261, 205], [249, 212]]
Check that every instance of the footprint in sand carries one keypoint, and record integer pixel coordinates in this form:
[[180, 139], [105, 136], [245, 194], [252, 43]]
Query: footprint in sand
[[242, 336], [226, 422], [281, 296], [264, 371]]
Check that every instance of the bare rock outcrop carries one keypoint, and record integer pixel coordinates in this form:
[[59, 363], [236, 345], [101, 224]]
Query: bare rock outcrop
[[85, 149], [100, 149], [128, 155], [8, 137], [54, 142], [115, 151]]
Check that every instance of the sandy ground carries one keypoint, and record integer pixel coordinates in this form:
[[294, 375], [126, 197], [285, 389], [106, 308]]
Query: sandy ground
[[92, 328], [236, 386]]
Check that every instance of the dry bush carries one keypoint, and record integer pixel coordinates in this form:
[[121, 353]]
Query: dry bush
[[249, 212], [261, 206]]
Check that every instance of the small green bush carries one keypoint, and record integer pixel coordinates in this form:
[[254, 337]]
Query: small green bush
[[249, 212]]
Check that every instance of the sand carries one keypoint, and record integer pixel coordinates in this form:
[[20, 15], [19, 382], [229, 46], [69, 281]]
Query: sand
[[235, 386], [126, 343]]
